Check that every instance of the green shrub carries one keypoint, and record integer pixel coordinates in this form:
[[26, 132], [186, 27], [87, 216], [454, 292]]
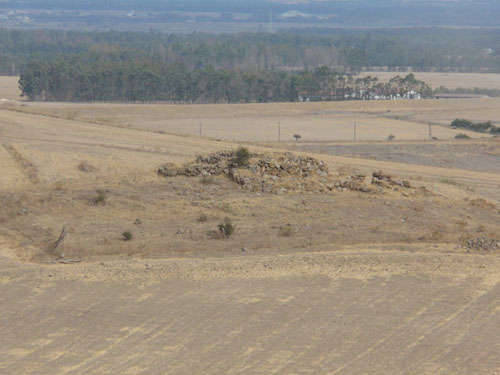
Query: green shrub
[[462, 136], [127, 236], [202, 218], [242, 157], [461, 123], [226, 228], [495, 130], [391, 137], [480, 127], [100, 197]]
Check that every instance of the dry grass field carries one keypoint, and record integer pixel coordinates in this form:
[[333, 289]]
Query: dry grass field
[[333, 121], [449, 80], [378, 281]]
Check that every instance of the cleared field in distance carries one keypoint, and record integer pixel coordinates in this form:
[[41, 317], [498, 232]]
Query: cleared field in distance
[[325, 121], [9, 88], [449, 80]]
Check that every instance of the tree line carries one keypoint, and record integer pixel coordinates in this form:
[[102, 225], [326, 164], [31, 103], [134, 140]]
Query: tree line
[[87, 79], [432, 49]]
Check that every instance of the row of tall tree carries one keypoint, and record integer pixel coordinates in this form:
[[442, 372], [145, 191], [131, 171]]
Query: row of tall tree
[[87, 79]]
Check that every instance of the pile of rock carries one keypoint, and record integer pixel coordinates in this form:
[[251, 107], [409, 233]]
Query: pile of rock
[[386, 181], [290, 165], [211, 165], [483, 243], [279, 173], [354, 182]]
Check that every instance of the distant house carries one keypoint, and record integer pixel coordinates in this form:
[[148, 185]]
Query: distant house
[[412, 95]]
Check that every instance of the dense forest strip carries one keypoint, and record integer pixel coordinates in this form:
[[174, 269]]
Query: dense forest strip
[[84, 79], [425, 49]]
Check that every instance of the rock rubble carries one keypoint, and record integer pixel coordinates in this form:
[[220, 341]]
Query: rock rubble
[[281, 173]]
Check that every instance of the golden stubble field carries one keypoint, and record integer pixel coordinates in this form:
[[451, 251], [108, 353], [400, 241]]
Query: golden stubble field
[[449, 80], [334, 121], [365, 282], [9, 88]]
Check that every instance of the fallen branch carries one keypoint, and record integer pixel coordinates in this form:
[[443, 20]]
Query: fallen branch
[[67, 261], [56, 244]]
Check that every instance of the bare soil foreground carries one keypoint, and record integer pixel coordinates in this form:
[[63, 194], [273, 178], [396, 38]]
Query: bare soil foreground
[[351, 312], [338, 264]]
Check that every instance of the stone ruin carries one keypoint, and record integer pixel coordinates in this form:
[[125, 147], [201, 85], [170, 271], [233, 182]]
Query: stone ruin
[[281, 173]]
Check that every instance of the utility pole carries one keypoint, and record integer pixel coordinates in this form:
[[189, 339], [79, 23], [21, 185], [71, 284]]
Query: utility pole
[[200, 129], [279, 131], [354, 132], [430, 131]]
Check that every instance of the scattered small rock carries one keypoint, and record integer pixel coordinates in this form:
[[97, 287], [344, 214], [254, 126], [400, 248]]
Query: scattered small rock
[[483, 243]]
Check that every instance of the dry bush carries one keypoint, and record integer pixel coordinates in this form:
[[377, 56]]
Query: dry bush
[[287, 230], [448, 181], [99, 198], [207, 180], [59, 185], [226, 228], [86, 167]]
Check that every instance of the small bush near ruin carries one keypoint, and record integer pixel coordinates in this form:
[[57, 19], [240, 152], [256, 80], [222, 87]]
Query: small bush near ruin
[[242, 157], [226, 228]]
